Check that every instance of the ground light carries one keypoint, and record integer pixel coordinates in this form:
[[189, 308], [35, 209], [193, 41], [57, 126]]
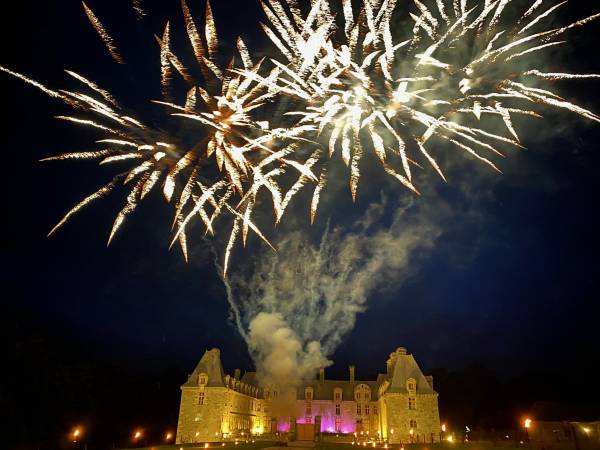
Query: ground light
[[527, 424]]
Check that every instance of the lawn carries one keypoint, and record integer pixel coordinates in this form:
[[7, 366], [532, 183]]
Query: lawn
[[444, 446], [258, 445]]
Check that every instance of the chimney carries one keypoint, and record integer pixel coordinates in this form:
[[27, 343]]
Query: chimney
[[237, 374], [351, 368], [322, 374]]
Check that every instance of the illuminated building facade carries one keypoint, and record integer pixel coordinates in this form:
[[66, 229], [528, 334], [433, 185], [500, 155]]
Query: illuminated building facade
[[400, 406]]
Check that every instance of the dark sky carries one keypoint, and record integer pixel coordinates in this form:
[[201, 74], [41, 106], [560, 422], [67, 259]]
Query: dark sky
[[525, 298]]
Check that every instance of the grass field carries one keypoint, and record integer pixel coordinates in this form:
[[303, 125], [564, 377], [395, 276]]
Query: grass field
[[258, 445], [443, 446]]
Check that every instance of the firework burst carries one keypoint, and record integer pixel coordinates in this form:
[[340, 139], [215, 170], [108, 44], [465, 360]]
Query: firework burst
[[352, 89], [367, 92]]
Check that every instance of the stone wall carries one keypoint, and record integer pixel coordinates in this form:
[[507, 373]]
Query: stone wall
[[398, 418], [224, 411]]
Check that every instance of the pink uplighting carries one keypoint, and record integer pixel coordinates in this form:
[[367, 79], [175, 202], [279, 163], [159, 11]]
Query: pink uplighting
[[283, 427]]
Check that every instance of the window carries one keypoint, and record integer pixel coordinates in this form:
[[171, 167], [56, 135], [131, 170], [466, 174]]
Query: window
[[413, 424], [412, 403], [367, 410], [274, 394], [308, 394], [308, 409], [267, 394], [337, 395], [258, 407], [411, 385], [358, 410], [375, 409], [201, 398], [337, 410], [202, 379], [362, 392], [308, 419]]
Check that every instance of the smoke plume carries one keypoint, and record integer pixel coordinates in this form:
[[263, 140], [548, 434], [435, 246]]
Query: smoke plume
[[295, 306]]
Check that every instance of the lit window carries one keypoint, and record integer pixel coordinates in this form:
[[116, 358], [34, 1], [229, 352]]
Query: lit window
[[337, 410], [338, 425], [358, 410], [201, 398], [412, 403]]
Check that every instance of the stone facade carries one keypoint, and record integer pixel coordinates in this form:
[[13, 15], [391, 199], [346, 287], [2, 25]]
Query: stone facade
[[400, 406]]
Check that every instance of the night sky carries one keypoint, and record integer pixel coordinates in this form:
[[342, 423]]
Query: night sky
[[516, 293]]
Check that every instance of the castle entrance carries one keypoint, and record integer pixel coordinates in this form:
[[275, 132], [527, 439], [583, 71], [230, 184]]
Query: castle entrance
[[305, 432]]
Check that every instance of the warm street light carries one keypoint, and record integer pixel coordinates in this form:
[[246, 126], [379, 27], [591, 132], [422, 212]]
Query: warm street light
[[444, 427], [168, 437], [586, 430], [137, 435]]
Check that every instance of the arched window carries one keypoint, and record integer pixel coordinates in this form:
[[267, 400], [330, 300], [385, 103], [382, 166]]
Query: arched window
[[202, 379], [411, 385]]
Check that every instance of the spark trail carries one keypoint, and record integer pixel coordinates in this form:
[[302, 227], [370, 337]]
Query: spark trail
[[347, 86], [367, 93]]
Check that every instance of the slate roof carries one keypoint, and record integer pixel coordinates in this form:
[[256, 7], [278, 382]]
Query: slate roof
[[324, 390], [210, 364], [406, 367], [402, 366]]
